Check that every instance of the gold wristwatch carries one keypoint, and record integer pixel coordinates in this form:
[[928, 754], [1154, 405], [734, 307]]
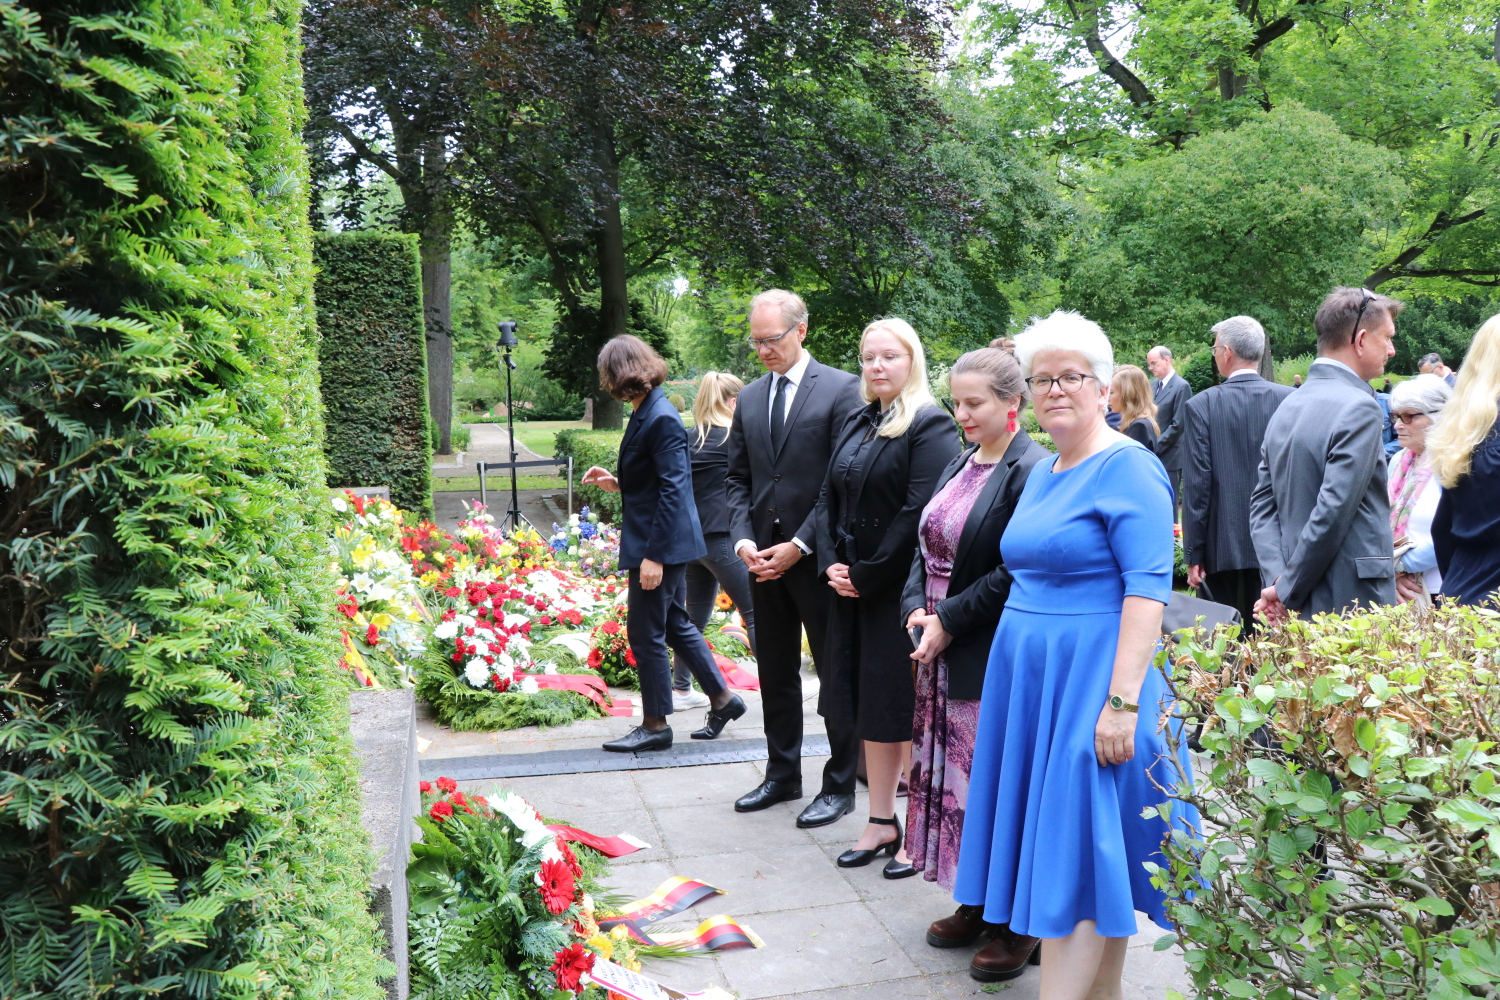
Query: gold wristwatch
[[1121, 705]]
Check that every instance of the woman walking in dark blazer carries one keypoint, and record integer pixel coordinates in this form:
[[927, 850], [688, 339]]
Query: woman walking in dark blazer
[[882, 474], [659, 535], [713, 413], [955, 593]]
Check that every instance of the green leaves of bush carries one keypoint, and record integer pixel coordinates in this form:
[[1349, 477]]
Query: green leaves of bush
[[179, 807], [1350, 844], [601, 448]]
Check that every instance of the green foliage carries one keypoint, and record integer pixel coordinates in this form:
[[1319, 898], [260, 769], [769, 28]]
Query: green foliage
[[1199, 372], [373, 359], [601, 448], [1442, 325], [1351, 843], [179, 803], [1263, 219], [573, 353]]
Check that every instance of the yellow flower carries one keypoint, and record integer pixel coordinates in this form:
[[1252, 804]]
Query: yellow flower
[[603, 945], [382, 621], [619, 932]]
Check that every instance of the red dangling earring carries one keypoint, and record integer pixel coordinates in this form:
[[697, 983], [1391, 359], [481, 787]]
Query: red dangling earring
[[1011, 427]]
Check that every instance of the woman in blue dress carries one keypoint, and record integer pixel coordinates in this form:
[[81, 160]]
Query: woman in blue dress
[[1070, 748]]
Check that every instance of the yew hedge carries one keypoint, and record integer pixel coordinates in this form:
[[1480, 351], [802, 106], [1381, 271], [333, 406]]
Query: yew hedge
[[179, 807]]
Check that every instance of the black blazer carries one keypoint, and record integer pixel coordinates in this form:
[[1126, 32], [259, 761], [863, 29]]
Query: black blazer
[[1170, 399], [980, 583], [1140, 430], [710, 479], [1223, 429], [874, 529], [767, 484], [656, 488]]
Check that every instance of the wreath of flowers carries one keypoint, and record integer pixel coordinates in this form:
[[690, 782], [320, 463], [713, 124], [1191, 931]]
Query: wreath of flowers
[[609, 651]]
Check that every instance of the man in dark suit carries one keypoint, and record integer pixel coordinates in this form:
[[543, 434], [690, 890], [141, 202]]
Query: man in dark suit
[[1223, 427], [1320, 516], [1171, 392], [785, 426]]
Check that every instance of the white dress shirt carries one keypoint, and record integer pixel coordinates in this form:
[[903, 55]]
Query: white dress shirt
[[793, 376], [1244, 371]]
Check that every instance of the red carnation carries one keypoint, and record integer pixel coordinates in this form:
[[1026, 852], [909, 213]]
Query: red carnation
[[546, 620], [348, 606], [557, 885], [459, 800], [447, 785], [426, 787], [440, 811], [501, 683], [451, 592], [570, 858], [629, 658], [572, 962], [372, 635]]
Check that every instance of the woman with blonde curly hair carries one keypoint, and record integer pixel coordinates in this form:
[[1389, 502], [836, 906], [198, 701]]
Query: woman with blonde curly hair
[[1465, 449]]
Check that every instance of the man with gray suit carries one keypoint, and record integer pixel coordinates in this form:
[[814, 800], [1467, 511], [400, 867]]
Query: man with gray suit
[[1223, 427], [1320, 516], [785, 427], [1171, 393]]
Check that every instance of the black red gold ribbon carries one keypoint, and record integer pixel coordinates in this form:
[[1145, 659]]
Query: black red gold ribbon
[[672, 896], [719, 933]]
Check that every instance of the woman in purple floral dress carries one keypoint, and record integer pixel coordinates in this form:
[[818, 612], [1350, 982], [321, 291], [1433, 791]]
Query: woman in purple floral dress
[[955, 593]]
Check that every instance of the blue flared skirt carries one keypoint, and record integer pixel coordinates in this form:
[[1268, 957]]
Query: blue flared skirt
[[1050, 837]]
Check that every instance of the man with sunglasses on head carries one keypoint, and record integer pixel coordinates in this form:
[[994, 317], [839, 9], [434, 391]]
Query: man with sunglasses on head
[[1320, 516], [786, 424]]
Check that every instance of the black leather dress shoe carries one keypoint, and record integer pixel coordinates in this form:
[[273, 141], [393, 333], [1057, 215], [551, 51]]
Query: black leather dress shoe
[[767, 794], [640, 738], [826, 808], [718, 718]]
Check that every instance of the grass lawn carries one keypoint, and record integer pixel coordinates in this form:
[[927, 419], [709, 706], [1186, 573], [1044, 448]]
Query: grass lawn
[[496, 481], [538, 435]]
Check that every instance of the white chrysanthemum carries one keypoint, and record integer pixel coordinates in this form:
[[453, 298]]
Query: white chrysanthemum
[[572, 520], [340, 504], [514, 620], [529, 685], [480, 647], [446, 630], [477, 673]]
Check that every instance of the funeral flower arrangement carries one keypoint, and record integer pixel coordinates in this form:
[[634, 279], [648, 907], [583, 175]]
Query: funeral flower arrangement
[[585, 544], [500, 905], [379, 596]]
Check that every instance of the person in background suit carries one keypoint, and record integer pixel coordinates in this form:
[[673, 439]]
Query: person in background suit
[[1432, 364], [883, 471], [1320, 516], [1223, 428], [1388, 430], [783, 434], [1130, 396], [1172, 393], [713, 413], [659, 535]]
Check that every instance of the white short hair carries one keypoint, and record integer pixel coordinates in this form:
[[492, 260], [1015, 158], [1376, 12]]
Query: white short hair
[[1067, 331], [1424, 394], [1243, 335]]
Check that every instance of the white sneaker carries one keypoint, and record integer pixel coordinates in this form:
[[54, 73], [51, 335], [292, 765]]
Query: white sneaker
[[691, 698]]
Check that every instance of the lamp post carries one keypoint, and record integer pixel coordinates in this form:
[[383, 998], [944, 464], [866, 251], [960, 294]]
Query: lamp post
[[504, 344]]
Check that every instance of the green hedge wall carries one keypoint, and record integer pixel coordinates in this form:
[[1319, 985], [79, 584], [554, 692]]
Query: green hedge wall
[[179, 802], [588, 448], [374, 364]]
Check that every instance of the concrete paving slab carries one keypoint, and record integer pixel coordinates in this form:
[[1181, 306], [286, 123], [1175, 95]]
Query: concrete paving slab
[[906, 920], [670, 787], [816, 948], [691, 831], [578, 797], [765, 880]]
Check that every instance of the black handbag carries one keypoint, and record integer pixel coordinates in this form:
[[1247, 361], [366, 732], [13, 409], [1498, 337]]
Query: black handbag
[[1185, 611]]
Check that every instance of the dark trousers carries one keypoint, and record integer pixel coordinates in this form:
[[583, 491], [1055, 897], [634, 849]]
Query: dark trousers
[[656, 621], [1238, 588], [783, 608], [720, 568], [1174, 479]]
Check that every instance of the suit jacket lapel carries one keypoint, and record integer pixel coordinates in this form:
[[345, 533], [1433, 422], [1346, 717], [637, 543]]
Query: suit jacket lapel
[[872, 454], [986, 498], [635, 418], [809, 377]]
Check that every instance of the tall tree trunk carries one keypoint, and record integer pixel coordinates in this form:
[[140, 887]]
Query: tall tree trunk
[[437, 283], [614, 296]]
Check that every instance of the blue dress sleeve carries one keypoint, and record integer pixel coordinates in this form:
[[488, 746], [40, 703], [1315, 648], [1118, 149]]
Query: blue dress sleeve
[[1135, 501]]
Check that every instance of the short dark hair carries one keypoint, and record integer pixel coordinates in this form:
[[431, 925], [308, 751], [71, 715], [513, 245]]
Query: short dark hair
[[1336, 318], [1430, 359], [629, 367]]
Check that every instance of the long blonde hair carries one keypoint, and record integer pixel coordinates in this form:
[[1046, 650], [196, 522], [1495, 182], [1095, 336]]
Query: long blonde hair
[[1135, 397], [1471, 412], [711, 407], [915, 394]]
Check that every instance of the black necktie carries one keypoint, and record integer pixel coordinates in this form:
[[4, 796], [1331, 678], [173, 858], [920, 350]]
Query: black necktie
[[778, 406]]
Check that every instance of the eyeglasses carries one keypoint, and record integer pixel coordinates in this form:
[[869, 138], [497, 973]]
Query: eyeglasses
[[889, 357], [1406, 418], [754, 343], [1070, 383], [1369, 297]]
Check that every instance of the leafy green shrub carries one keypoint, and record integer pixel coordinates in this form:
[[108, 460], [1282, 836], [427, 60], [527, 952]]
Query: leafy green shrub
[[1286, 368], [373, 360], [179, 801], [1351, 844], [1199, 372], [588, 448], [459, 706]]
